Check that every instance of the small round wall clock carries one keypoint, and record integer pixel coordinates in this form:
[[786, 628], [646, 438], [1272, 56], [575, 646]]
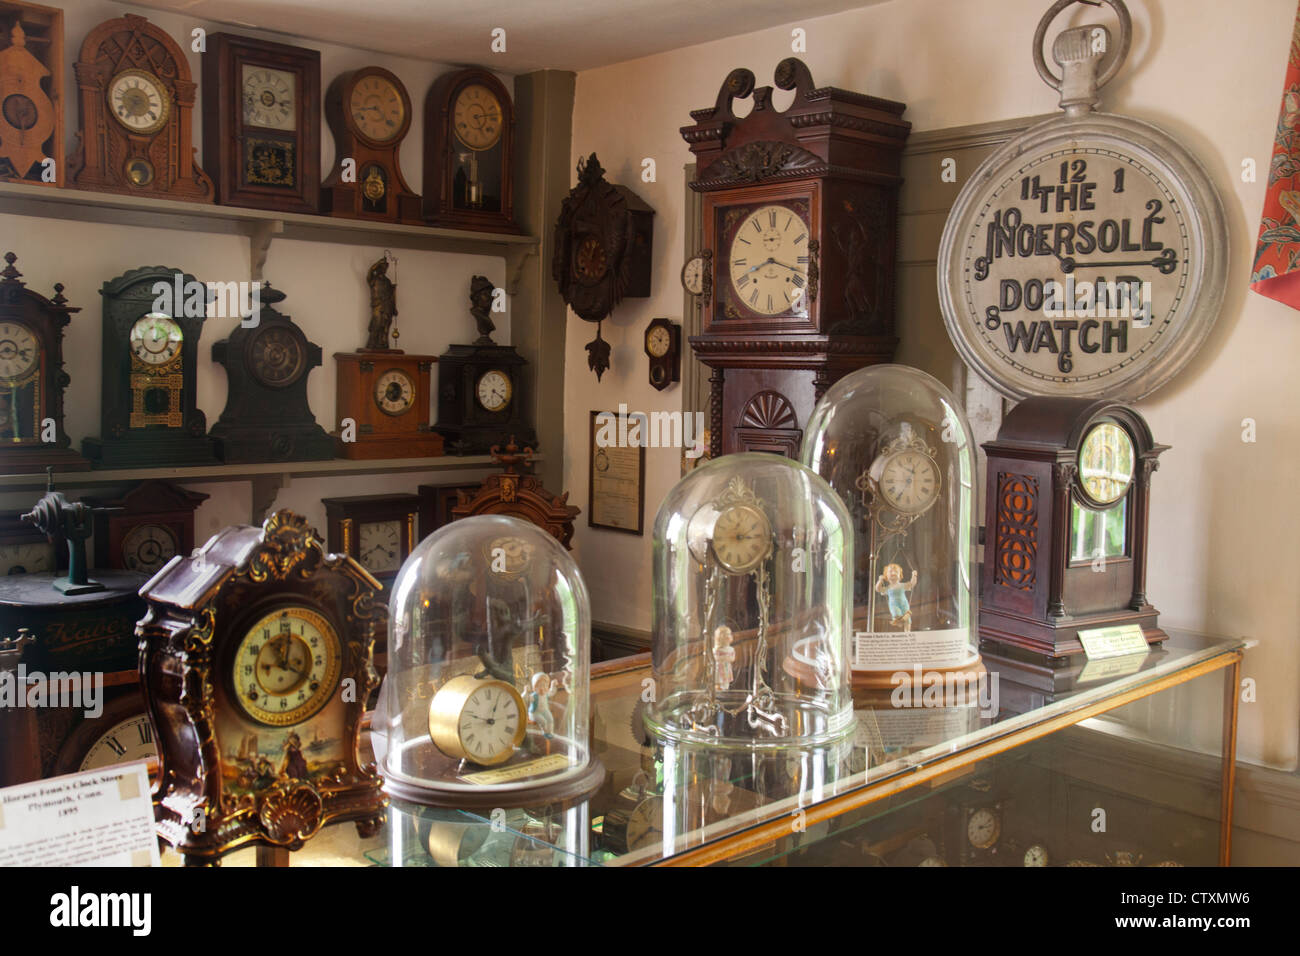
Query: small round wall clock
[[1087, 256]]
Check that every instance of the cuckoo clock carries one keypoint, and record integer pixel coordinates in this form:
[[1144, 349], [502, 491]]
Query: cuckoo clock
[[799, 218], [603, 241], [32, 378], [1069, 484], [519, 496], [31, 91], [136, 104], [256, 662]]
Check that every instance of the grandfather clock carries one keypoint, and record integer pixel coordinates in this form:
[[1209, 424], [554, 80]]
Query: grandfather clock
[[799, 218]]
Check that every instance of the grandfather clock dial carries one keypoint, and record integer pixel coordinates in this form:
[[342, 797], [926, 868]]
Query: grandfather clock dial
[[769, 259]]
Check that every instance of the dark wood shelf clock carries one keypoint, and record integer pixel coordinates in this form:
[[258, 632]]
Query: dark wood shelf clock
[[146, 527], [136, 100], [387, 393], [32, 379], [480, 398], [1066, 541], [267, 416], [663, 346], [25, 549], [369, 113], [469, 132], [603, 244], [261, 123], [149, 415], [799, 214], [31, 93], [244, 654], [378, 530]]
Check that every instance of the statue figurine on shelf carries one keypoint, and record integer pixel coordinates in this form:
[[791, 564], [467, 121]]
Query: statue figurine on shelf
[[724, 657], [62, 520], [539, 702], [481, 290], [383, 306], [891, 585]]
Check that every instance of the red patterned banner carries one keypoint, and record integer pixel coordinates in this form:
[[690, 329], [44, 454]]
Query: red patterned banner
[[1276, 272]]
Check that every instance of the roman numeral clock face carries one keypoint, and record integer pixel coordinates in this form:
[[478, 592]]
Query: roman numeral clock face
[[768, 261]]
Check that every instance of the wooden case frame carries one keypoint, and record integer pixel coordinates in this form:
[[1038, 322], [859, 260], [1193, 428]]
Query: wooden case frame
[[344, 515], [380, 435], [43, 27]]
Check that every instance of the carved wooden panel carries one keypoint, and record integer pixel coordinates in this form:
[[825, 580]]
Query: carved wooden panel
[[1016, 542]]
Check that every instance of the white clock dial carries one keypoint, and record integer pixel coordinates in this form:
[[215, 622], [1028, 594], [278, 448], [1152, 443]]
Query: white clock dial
[[394, 392], [693, 275], [19, 351], [269, 99], [26, 558], [768, 261], [139, 101], [489, 723], [983, 827], [286, 666], [909, 482], [379, 546], [742, 538], [147, 547], [1036, 855], [493, 391], [658, 341], [128, 741], [156, 339]]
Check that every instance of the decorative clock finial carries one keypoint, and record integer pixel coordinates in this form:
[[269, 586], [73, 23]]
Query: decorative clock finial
[[511, 456], [10, 273]]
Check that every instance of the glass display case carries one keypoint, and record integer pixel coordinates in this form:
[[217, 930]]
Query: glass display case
[[486, 697], [894, 444], [752, 607]]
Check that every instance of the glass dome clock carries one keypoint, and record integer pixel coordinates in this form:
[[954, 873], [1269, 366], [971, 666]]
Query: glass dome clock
[[895, 445], [486, 697], [752, 607]]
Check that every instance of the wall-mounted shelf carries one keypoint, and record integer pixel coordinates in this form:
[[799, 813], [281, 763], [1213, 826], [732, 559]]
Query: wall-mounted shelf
[[258, 226]]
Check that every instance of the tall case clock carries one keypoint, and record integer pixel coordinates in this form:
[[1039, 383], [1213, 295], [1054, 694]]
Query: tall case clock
[[799, 217], [150, 367]]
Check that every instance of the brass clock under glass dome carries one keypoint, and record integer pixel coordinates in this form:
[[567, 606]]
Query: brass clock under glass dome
[[486, 698], [753, 597]]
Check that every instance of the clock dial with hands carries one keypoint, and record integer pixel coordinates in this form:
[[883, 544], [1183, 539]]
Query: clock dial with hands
[[480, 721], [768, 263]]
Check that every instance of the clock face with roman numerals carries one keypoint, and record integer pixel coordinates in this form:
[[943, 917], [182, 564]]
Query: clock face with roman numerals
[[767, 261], [125, 742]]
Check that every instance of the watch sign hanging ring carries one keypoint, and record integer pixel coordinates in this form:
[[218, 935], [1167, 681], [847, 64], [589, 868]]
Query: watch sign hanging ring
[[1125, 40]]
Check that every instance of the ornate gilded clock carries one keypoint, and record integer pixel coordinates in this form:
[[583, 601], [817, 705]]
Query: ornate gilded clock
[[267, 416], [261, 125], [31, 93], [137, 101], [1088, 256], [256, 665], [469, 143], [146, 527], [32, 379], [369, 113], [149, 413], [798, 220]]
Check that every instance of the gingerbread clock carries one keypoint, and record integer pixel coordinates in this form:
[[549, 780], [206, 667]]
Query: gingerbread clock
[[137, 101]]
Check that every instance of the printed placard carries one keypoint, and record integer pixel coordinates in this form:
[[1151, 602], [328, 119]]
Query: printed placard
[[1100, 643], [903, 650]]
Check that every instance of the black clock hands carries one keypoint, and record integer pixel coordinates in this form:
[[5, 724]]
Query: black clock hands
[[1166, 262]]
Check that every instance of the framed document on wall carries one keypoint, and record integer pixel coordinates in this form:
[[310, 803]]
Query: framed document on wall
[[616, 497]]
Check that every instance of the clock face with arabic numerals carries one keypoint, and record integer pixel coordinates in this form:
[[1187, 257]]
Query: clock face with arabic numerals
[[1086, 257]]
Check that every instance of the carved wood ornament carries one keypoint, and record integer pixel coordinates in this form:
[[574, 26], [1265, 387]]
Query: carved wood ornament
[[520, 496]]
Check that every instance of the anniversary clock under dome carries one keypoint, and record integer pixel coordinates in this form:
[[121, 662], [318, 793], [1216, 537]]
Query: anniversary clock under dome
[[753, 601], [485, 703]]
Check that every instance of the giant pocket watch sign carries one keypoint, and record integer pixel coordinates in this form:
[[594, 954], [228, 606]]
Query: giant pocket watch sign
[[1086, 257]]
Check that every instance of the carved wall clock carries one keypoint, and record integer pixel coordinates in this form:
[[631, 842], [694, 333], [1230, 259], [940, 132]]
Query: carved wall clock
[[247, 648], [663, 346], [32, 379], [146, 527], [603, 241], [799, 213], [369, 113], [31, 93], [469, 134], [136, 101], [1088, 256], [261, 123]]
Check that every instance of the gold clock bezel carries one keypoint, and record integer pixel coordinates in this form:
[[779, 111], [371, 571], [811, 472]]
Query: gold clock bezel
[[747, 566], [455, 105], [319, 699], [510, 391], [164, 94], [444, 718], [1085, 492], [889, 500]]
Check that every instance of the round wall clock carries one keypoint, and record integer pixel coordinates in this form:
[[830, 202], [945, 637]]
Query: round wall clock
[[1087, 256]]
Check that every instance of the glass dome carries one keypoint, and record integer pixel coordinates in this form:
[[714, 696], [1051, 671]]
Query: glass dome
[[895, 444], [752, 607], [486, 697]]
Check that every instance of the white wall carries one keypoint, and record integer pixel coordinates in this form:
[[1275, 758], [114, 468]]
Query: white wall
[[1225, 557]]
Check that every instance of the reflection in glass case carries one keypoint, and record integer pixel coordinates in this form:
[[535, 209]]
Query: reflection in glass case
[[486, 698], [895, 445], [752, 605]]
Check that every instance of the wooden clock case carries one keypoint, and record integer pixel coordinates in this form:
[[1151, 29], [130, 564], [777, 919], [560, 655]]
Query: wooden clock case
[[228, 143], [344, 517], [1034, 598], [152, 502], [667, 368], [26, 404], [837, 155], [518, 496], [196, 609], [399, 202], [108, 157], [31, 68], [468, 427], [380, 435]]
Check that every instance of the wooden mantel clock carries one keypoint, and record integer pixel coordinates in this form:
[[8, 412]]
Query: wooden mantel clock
[[137, 101], [256, 662], [1069, 486], [799, 218], [518, 495]]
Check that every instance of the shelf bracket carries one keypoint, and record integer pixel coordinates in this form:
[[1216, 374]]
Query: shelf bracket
[[516, 256], [259, 244], [265, 488]]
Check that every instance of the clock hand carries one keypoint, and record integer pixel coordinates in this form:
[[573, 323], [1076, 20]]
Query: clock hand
[[1166, 262]]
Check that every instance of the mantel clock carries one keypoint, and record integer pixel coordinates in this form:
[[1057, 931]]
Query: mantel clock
[[799, 217], [146, 527], [136, 99], [149, 415], [378, 530], [256, 662]]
